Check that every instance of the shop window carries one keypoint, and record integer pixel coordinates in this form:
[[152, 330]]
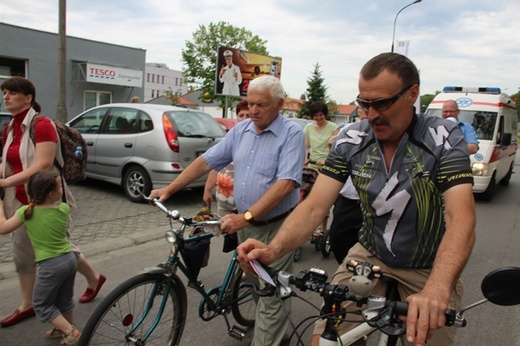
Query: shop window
[[96, 98]]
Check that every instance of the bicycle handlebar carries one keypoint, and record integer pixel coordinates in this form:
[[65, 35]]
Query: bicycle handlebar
[[380, 312], [176, 215]]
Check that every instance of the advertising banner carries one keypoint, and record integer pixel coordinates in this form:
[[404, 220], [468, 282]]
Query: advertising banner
[[236, 68], [114, 75]]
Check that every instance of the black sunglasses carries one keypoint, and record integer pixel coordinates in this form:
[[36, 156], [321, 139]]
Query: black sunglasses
[[381, 104]]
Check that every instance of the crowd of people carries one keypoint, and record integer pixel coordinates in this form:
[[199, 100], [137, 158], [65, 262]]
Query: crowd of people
[[402, 199]]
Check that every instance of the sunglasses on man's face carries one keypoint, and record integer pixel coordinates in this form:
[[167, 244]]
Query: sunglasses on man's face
[[381, 104]]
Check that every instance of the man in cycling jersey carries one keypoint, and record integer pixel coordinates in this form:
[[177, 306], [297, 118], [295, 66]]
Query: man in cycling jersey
[[414, 180]]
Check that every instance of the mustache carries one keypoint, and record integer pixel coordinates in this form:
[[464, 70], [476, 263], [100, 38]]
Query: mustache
[[378, 121]]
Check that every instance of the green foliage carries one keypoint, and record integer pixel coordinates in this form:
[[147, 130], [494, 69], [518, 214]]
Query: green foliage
[[200, 55], [516, 99], [426, 99], [316, 91], [173, 96]]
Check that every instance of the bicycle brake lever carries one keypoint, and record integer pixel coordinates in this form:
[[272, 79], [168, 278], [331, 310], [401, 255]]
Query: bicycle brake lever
[[267, 291], [384, 322]]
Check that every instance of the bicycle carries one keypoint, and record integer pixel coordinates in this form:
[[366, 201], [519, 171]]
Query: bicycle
[[151, 308], [500, 287]]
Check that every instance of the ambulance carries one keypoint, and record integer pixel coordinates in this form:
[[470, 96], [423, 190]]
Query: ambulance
[[494, 117]]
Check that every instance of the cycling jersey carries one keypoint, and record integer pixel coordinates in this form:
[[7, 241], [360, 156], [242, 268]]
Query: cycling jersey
[[403, 209]]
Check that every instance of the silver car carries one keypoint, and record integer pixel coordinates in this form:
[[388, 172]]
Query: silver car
[[144, 146]]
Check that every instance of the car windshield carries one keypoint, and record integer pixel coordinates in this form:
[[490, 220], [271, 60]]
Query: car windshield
[[195, 124], [482, 122]]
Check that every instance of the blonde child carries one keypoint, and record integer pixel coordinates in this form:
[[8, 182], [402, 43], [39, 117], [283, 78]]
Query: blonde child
[[46, 222]]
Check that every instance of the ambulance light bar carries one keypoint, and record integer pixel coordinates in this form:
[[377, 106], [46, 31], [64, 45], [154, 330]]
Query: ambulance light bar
[[484, 90]]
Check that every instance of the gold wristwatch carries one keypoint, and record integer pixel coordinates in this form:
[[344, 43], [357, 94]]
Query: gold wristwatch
[[248, 216]]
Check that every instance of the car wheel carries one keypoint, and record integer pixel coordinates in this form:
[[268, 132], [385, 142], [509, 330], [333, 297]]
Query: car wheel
[[505, 180], [490, 190], [136, 183]]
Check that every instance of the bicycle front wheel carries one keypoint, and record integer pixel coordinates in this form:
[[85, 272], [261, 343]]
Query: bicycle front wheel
[[129, 313], [244, 306]]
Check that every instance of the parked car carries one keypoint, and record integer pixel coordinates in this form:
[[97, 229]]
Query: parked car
[[144, 146], [5, 118], [225, 123]]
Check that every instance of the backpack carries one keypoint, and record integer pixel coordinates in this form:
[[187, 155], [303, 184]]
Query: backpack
[[74, 168]]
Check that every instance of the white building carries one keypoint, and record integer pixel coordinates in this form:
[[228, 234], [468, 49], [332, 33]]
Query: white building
[[159, 78]]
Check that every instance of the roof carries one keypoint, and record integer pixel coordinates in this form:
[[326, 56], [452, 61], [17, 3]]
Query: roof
[[347, 109], [163, 99], [291, 104]]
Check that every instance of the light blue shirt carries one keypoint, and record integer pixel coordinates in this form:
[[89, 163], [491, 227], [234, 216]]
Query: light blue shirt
[[468, 131], [261, 159]]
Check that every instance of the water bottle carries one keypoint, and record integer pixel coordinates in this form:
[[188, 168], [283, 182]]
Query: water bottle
[[79, 153]]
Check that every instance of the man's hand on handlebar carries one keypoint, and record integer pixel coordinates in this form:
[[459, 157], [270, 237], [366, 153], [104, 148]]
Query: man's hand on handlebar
[[232, 223], [426, 313], [253, 249], [161, 194]]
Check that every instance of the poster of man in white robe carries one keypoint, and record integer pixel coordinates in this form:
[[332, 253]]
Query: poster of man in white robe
[[236, 68]]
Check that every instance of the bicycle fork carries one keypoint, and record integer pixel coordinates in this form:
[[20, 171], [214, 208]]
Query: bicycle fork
[[165, 289]]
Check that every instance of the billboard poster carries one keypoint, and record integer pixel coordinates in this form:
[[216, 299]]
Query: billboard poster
[[236, 68]]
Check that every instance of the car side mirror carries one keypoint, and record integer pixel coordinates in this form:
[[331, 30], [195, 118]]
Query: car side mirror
[[505, 140]]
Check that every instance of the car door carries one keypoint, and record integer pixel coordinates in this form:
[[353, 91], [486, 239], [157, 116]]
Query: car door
[[89, 125], [116, 142]]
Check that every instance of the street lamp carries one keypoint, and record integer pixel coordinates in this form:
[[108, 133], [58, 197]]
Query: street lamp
[[395, 20]]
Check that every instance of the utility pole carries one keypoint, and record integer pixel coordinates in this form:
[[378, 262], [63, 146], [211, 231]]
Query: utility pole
[[61, 111]]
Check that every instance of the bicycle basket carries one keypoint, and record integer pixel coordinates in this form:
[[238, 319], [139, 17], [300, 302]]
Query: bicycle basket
[[196, 254]]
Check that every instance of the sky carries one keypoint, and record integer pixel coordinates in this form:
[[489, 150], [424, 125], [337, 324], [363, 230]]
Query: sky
[[452, 42]]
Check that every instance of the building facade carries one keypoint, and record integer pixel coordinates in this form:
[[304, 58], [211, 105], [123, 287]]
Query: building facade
[[96, 72], [160, 80]]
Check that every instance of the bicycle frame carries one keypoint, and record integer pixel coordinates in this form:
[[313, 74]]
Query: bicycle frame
[[218, 306]]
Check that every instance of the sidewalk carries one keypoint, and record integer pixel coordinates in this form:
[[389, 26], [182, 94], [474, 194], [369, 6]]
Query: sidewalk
[[105, 220]]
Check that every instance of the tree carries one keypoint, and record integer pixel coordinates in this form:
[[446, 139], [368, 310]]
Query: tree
[[200, 55], [316, 91], [173, 96], [516, 99]]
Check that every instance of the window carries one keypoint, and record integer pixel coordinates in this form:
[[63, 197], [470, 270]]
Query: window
[[11, 67], [176, 81], [153, 78], [162, 79], [121, 121], [145, 123], [96, 98], [148, 77], [89, 122], [153, 93]]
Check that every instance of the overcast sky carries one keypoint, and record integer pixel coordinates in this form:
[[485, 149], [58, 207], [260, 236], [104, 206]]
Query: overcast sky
[[452, 42]]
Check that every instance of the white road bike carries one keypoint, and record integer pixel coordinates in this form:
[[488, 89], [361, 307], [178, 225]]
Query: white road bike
[[380, 313]]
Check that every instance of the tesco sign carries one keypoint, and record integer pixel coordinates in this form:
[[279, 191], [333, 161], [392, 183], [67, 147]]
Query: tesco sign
[[114, 75]]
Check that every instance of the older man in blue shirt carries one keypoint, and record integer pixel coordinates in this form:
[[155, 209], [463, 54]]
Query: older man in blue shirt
[[268, 154], [450, 109]]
